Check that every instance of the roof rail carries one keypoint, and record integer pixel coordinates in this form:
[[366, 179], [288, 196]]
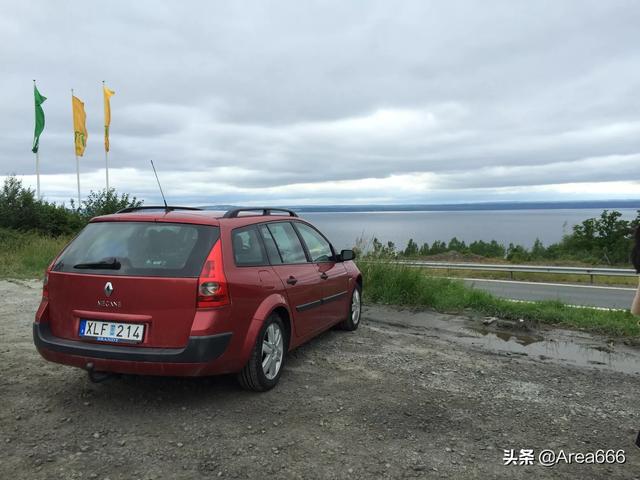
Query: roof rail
[[233, 213], [155, 207]]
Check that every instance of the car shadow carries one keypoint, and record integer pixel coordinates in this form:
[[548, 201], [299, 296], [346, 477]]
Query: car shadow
[[189, 392]]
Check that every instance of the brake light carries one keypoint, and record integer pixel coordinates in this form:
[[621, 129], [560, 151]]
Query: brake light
[[212, 284]]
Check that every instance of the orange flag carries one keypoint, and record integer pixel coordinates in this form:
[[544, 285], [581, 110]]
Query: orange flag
[[79, 125]]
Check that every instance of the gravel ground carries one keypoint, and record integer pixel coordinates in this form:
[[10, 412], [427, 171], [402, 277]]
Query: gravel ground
[[382, 402]]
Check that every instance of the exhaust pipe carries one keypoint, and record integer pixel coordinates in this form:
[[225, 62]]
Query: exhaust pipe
[[97, 377]]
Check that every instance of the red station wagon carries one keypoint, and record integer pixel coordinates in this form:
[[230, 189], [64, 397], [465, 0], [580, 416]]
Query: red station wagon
[[183, 291]]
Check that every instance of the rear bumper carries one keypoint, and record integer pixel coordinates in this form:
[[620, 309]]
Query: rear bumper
[[199, 350]]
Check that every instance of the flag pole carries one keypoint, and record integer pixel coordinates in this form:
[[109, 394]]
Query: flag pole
[[106, 152], [38, 174], [37, 161], [106, 162], [74, 149], [78, 177]]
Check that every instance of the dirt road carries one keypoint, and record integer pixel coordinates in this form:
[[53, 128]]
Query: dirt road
[[414, 400]]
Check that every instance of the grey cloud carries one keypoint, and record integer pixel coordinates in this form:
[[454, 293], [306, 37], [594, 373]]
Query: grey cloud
[[483, 96]]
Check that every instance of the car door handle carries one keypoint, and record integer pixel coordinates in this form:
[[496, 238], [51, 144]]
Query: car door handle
[[292, 280], [324, 276]]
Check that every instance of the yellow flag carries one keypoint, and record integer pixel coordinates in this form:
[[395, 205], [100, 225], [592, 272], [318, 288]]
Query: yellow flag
[[107, 115], [79, 125]]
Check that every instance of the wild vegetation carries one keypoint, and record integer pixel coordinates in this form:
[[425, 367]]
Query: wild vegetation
[[395, 284], [605, 240], [33, 231], [20, 210], [27, 254]]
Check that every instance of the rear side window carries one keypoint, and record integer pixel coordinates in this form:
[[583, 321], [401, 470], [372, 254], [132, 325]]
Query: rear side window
[[288, 243], [270, 245], [319, 248], [150, 249], [247, 248]]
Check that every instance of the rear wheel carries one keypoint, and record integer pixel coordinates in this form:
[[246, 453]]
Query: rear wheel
[[263, 370], [355, 311]]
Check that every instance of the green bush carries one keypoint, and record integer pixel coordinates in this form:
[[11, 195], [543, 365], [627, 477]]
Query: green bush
[[21, 210], [400, 285], [491, 249], [604, 240], [437, 247], [456, 245], [412, 249], [105, 202]]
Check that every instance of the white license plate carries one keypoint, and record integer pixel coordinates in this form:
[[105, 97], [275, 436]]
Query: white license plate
[[111, 331]]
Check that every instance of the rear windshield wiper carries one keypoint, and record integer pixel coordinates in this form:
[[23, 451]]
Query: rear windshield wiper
[[106, 264]]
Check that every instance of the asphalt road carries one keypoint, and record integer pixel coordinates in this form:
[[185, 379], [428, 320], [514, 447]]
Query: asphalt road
[[587, 295]]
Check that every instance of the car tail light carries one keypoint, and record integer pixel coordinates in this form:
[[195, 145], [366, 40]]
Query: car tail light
[[212, 284]]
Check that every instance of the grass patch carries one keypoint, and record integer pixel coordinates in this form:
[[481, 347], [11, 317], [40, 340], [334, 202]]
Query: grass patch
[[400, 285], [27, 254], [631, 281]]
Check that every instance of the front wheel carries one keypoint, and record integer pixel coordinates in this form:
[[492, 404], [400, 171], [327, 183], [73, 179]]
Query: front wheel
[[263, 370], [355, 311]]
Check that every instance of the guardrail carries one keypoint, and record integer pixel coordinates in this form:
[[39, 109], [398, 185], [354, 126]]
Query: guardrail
[[617, 272]]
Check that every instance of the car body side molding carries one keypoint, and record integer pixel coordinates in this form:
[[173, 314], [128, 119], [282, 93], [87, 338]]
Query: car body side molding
[[322, 301]]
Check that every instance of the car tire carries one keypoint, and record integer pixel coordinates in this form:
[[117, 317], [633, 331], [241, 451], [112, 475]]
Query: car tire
[[355, 311], [256, 376]]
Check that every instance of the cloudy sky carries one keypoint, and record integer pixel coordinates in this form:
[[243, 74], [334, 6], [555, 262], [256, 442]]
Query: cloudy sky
[[290, 102]]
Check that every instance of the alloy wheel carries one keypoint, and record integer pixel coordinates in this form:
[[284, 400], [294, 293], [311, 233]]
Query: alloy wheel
[[272, 351], [355, 307]]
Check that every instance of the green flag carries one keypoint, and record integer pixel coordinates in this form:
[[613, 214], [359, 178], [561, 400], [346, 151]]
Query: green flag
[[39, 100]]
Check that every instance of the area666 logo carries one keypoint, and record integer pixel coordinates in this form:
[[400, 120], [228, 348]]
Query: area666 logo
[[549, 458]]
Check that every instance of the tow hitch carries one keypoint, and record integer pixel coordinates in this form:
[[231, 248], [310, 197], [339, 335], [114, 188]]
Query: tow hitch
[[97, 377]]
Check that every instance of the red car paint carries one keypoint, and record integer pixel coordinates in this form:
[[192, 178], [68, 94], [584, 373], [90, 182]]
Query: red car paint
[[179, 321]]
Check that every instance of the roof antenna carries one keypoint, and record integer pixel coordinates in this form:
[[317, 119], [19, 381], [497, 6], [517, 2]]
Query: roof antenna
[[166, 207]]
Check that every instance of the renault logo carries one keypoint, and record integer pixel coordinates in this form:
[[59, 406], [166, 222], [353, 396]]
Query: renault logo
[[108, 289]]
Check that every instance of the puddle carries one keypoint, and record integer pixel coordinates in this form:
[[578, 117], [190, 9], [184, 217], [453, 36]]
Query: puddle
[[580, 350], [560, 346]]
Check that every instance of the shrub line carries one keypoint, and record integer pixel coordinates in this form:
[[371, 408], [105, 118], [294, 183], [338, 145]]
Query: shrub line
[[395, 284]]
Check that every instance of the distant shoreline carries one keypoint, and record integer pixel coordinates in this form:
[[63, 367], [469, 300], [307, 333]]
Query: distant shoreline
[[458, 207]]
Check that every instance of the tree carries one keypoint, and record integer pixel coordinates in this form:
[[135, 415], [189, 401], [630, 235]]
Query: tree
[[492, 249], [437, 247], [391, 249], [538, 251], [517, 253], [412, 249], [383, 251], [457, 245], [21, 210], [605, 239], [105, 202]]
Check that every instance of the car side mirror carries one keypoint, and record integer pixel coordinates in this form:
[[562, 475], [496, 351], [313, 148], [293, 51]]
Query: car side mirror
[[346, 255]]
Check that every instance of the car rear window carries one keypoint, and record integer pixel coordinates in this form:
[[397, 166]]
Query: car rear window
[[247, 248], [139, 249]]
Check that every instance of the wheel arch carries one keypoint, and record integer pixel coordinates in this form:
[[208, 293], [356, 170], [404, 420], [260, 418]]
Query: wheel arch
[[284, 314], [273, 303]]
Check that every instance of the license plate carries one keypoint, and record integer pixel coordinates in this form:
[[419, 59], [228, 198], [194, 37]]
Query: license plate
[[111, 331]]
